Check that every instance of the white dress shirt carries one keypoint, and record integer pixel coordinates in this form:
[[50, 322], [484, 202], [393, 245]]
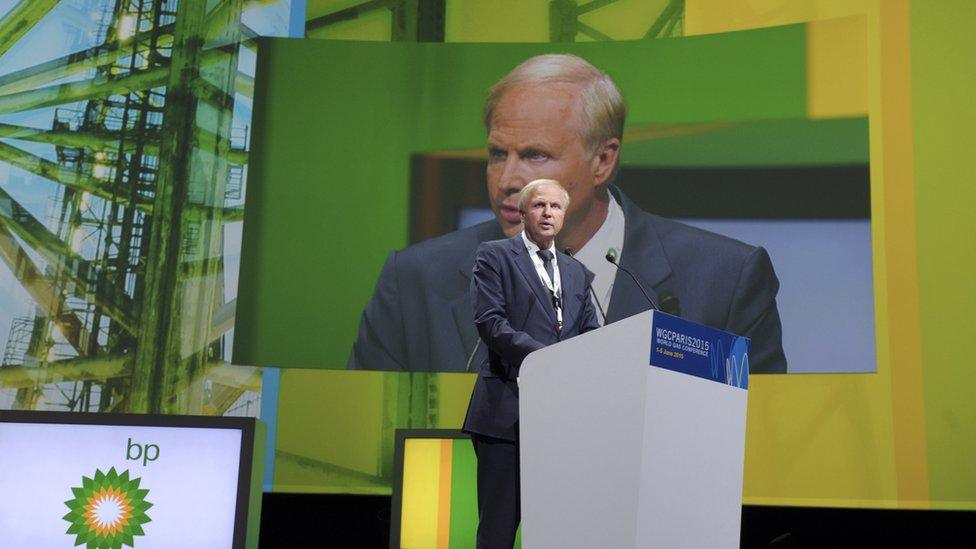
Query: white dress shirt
[[555, 285]]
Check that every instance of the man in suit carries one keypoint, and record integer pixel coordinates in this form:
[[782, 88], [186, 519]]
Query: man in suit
[[526, 295], [559, 117]]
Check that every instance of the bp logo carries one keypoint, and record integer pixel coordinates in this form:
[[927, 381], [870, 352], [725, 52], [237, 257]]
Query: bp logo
[[107, 510]]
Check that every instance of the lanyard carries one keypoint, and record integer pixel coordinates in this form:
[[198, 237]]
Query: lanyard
[[554, 287]]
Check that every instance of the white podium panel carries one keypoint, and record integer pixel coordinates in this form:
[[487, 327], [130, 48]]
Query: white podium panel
[[633, 436]]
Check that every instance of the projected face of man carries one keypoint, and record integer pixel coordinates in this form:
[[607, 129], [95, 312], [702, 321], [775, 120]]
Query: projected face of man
[[543, 214], [536, 133]]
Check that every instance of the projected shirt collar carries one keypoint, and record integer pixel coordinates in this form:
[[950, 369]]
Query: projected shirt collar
[[593, 254]]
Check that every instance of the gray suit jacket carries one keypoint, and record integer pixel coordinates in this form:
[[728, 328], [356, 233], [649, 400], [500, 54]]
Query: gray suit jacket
[[420, 316]]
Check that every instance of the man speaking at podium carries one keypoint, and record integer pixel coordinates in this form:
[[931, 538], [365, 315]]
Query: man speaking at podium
[[526, 295], [559, 117]]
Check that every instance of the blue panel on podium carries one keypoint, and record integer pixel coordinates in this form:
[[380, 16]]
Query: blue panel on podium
[[694, 349]]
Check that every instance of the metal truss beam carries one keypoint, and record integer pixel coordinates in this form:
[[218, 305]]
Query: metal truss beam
[[418, 21], [564, 23], [244, 85], [562, 20], [223, 319], [64, 261], [594, 5], [94, 140], [45, 295], [413, 20], [20, 19], [109, 141], [671, 16], [31, 78], [75, 63], [247, 378], [231, 381], [228, 383], [232, 214], [79, 369], [350, 13], [172, 348], [583, 28], [96, 88], [58, 174], [35, 234], [222, 5], [17, 98], [31, 11]]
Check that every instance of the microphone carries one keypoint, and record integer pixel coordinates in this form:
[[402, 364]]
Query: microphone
[[612, 258], [569, 252], [670, 303]]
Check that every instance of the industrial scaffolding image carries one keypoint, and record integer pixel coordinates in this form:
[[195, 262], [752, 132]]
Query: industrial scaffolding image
[[123, 158]]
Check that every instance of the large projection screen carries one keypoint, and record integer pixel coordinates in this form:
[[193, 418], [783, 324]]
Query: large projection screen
[[341, 121]]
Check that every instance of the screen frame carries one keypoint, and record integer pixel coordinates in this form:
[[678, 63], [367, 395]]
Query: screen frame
[[246, 425], [399, 446]]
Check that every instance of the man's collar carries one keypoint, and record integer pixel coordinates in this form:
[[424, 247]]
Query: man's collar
[[532, 247], [609, 234]]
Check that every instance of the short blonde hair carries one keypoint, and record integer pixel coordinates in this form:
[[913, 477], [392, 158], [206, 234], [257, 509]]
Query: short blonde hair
[[527, 191], [604, 110]]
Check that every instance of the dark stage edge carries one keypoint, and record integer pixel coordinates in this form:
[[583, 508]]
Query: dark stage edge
[[331, 520]]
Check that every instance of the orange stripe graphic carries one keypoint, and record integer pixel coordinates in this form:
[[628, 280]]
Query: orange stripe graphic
[[444, 495]]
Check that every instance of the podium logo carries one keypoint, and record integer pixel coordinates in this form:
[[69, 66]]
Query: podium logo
[[107, 510]]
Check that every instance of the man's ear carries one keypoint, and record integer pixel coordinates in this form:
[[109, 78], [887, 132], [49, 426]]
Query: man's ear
[[605, 160]]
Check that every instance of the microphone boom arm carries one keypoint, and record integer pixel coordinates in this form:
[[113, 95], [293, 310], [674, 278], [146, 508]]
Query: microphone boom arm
[[613, 260]]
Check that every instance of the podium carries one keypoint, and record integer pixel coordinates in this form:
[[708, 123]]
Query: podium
[[633, 435]]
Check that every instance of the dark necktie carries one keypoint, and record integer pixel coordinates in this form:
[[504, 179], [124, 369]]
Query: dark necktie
[[546, 256]]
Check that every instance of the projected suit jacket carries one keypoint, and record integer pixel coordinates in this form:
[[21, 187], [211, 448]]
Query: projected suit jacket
[[514, 315], [419, 318]]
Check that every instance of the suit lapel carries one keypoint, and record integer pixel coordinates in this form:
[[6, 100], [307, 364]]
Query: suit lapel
[[644, 256], [527, 268]]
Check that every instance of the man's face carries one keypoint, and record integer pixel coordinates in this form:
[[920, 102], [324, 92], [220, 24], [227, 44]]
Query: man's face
[[536, 134], [543, 215]]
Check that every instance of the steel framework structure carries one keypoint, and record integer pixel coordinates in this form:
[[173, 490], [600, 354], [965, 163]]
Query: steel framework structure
[[126, 275]]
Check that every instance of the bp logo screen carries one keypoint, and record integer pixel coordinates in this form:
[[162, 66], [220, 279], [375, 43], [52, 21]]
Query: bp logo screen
[[110, 486]]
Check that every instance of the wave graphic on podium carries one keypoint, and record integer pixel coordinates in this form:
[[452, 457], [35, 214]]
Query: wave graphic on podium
[[732, 365], [694, 349]]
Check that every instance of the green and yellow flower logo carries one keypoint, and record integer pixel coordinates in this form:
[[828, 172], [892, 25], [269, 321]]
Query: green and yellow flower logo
[[107, 511]]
